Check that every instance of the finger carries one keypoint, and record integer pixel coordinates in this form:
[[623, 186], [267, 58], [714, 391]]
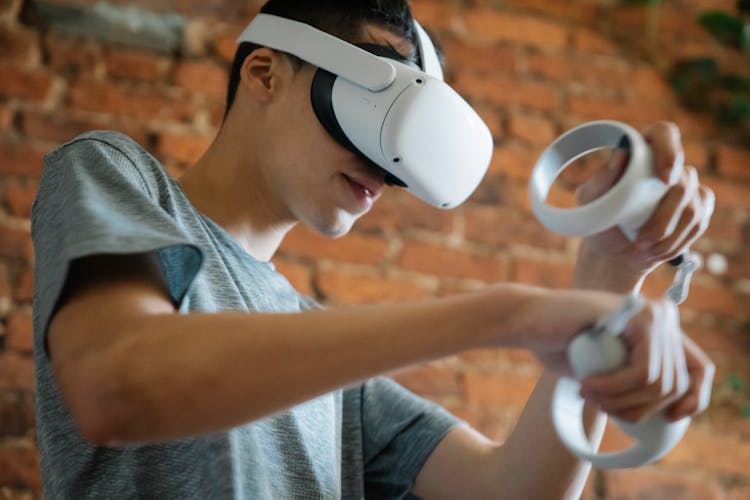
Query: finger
[[645, 401], [666, 145], [696, 231], [668, 212], [701, 371], [644, 363]]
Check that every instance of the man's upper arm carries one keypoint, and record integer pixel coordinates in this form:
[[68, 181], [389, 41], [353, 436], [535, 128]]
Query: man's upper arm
[[102, 295]]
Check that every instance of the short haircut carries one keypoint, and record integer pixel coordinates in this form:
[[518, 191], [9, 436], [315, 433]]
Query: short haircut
[[341, 18]]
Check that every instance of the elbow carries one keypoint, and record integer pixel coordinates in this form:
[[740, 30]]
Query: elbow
[[95, 397], [97, 417]]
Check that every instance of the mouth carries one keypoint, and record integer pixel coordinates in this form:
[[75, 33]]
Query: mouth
[[367, 185]]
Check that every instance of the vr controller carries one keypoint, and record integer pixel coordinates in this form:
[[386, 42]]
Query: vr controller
[[404, 119], [628, 204]]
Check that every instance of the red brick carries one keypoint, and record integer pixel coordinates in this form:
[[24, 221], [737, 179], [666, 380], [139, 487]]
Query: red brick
[[9, 8], [18, 199], [535, 130], [432, 380], [354, 248], [21, 159], [230, 12], [632, 112], [19, 466], [7, 115], [505, 92], [5, 291], [397, 210], [492, 117], [462, 55], [15, 243], [494, 423], [72, 57], [225, 47], [542, 273], [339, 286], [62, 127], [728, 194], [694, 125], [142, 102], [574, 10], [646, 82], [553, 67], [726, 226], [696, 154], [491, 359], [733, 162], [203, 77], [435, 15], [675, 25], [711, 452], [136, 65], [600, 73], [708, 296], [24, 290], [652, 482], [514, 161], [16, 413], [19, 46], [498, 389], [299, 275], [506, 27], [739, 493], [16, 372], [20, 336], [185, 148], [454, 263], [24, 84], [506, 227], [593, 42]]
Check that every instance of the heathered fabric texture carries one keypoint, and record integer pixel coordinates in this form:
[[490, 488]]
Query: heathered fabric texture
[[103, 194]]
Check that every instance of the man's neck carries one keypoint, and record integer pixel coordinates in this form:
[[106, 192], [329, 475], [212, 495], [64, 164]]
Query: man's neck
[[227, 186]]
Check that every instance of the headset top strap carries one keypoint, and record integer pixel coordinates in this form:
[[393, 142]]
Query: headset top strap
[[321, 49]]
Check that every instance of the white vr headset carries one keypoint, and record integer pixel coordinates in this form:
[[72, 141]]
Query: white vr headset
[[405, 120]]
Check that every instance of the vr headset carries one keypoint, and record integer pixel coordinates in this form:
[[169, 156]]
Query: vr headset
[[404, 119]]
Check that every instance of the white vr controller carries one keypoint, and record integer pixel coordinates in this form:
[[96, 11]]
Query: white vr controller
[[628, 204], [404, 119]]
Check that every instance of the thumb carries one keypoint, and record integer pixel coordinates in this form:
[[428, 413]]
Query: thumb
[[604, 178]]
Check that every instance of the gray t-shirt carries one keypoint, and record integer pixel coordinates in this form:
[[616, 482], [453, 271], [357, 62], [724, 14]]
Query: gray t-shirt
[[103, 194]]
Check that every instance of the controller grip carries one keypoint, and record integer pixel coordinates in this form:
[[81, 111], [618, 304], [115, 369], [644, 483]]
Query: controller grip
[[594, 352]]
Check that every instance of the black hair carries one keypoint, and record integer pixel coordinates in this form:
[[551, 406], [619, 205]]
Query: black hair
[[341, 18]]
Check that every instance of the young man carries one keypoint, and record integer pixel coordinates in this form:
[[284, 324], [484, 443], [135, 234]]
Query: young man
[[174, 362]]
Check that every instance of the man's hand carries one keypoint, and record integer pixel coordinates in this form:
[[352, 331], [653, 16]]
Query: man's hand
[[608, 260]]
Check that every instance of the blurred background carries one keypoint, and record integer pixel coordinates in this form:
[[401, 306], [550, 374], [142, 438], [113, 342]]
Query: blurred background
[[157, 71]]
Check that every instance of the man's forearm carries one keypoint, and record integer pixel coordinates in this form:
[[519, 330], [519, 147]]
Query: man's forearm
[[533, 456], [533, 461], [175, 375]]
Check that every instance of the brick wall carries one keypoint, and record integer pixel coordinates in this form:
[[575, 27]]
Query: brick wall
[[533, 68]]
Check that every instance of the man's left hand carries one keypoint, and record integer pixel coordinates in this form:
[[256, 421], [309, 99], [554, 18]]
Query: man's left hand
[[680, 218]]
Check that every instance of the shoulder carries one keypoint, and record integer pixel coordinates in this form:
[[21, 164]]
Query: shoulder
[[107, 153]]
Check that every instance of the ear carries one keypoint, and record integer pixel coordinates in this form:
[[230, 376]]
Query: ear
[[263, 73]]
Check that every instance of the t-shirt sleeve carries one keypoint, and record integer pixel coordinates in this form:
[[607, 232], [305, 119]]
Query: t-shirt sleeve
[[399, 431], [93, 200]]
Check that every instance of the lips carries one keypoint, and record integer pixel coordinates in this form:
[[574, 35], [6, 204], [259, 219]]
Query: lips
[[372, 187]]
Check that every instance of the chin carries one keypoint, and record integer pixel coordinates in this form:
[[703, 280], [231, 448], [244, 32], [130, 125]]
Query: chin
[[337, 227]]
